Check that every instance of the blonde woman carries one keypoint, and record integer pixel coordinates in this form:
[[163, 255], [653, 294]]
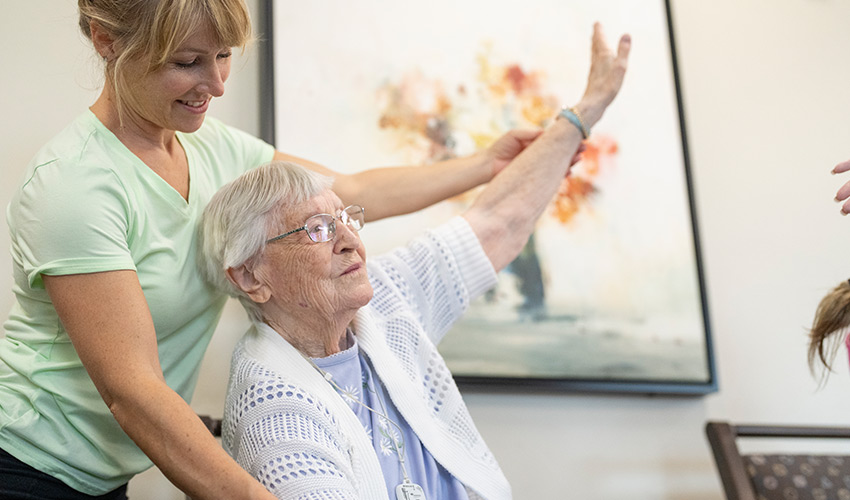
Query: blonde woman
[[111, 320]]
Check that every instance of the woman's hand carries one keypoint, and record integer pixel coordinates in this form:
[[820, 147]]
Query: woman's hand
[[844, 192], [607, 71], [507, 147]]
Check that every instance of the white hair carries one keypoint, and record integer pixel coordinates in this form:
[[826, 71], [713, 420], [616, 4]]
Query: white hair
[[236, 221]]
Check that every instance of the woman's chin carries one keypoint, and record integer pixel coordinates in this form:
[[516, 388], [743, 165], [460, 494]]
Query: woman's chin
[[361, 296]]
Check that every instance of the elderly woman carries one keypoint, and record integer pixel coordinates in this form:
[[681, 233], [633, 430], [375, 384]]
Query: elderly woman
[[338, 391]]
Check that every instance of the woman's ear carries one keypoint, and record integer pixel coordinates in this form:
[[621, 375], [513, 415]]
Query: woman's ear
[[103, 41], [244, 279]]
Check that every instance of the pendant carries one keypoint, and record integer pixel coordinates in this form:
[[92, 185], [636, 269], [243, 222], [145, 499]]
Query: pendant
[[409, 491]]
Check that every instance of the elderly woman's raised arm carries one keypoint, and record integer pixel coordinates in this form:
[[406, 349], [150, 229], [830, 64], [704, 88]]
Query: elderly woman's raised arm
[[504, 214]]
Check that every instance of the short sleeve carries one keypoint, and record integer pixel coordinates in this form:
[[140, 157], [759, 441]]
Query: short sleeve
[[67, 222]]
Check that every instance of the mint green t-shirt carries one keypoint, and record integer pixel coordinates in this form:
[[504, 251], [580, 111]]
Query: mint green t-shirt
[[86, 205]]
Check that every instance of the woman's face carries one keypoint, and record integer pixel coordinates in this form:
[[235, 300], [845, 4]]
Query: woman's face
[[320, 280], [176, 96]]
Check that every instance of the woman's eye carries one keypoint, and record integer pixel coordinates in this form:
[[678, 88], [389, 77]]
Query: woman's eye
[[189, 64], [225, 55]]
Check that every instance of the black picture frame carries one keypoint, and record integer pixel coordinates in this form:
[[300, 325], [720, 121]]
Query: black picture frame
[[704, 384]]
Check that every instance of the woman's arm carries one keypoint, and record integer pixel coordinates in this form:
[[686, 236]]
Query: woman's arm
[[400, 190], [109, 323], [504, 214]]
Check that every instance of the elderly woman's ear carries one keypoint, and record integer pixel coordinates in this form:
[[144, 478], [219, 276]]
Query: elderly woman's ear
[[244, 279]]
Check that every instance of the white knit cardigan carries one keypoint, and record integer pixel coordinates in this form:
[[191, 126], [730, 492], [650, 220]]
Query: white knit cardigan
[[288, 427]]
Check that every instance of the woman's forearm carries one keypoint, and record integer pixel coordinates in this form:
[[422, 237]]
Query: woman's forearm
[[107, 319], [166, 428], [390, 191]]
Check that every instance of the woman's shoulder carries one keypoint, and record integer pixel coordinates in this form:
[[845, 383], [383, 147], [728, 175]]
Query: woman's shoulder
[[83, 142], [82, 158], [250, 369], [257, 391]]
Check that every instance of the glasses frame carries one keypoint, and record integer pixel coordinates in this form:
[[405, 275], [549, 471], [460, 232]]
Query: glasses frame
[[343, 216]]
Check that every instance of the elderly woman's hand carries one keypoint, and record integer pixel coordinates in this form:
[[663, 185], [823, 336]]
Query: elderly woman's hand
[[843, 194], [607, 71]]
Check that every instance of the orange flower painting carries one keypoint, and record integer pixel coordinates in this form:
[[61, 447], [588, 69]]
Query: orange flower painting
[[608, 287]]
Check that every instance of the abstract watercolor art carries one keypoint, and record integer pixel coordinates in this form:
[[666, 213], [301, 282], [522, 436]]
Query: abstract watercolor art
[[607, 295]]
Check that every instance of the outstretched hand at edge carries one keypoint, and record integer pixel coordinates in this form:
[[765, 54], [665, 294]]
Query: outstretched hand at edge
[[607, 71]]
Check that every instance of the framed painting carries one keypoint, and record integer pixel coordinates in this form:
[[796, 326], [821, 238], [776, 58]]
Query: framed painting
[[608, 294]]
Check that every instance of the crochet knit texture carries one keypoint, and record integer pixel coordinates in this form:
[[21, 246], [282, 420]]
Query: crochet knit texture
[[290, 429]]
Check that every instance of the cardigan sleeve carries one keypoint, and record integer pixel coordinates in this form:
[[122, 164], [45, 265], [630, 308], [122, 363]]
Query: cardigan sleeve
[[435, 276]]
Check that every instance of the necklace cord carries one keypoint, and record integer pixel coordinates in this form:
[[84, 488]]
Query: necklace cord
[[329, 377]]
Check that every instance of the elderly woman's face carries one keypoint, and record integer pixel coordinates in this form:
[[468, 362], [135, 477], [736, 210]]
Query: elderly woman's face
[[318, 279]]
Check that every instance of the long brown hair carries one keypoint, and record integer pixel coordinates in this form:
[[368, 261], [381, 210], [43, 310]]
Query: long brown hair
[[829, 327]]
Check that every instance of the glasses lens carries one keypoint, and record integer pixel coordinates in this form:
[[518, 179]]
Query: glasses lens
[[321, 228], [354, 217]]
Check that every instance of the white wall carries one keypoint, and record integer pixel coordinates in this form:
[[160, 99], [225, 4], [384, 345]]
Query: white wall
[[767, 100]]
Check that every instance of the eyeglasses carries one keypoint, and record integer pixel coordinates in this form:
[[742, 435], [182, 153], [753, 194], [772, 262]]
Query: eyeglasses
[[322, 227]]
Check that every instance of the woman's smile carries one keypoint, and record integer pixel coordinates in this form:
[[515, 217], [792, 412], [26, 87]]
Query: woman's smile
[[199, 107]]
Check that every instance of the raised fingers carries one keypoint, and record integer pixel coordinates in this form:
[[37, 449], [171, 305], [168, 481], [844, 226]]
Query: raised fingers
[[624, 48], [841, 167], [599, 43], [844, 191]]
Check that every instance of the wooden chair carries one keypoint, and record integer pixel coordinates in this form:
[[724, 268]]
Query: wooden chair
[[779, 476], [213, 424]]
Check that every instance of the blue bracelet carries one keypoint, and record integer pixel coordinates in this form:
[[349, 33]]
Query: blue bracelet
[[574, 117]]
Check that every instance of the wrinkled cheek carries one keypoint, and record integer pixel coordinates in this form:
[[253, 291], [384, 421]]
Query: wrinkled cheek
[[296, 285], [319, 298]]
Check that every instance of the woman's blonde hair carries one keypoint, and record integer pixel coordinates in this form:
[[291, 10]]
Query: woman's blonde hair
[[829, 327], [148, 32]]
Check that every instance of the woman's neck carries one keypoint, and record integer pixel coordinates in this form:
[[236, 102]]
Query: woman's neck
[[316, 339], [139, 136], [158, 148]]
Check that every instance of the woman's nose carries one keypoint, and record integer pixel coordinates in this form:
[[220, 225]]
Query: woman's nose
[[214, 79], [346, 238]]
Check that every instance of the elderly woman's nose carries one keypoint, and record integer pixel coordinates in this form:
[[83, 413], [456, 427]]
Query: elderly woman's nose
[[346, 238]]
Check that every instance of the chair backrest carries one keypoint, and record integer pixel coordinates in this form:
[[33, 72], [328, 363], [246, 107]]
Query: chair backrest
[[779, 476], [213, 424]]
